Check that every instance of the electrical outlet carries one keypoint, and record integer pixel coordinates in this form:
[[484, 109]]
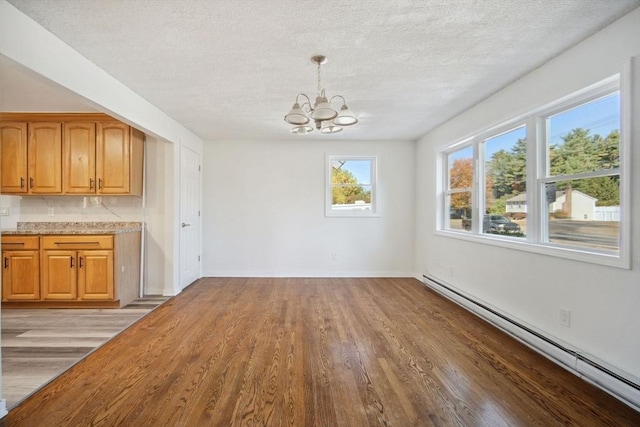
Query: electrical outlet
[[4, 211], [565, 317]]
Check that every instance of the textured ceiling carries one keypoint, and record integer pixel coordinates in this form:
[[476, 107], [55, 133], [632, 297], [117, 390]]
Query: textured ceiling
[[230, 69]]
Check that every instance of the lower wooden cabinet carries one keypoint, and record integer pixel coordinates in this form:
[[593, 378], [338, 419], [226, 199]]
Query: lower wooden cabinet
[[20, 268], [71, 270], [81, 275], [95, 275], [59, 275], [77, 267]]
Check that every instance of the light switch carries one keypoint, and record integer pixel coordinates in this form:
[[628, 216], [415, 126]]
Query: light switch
[[4, 211]]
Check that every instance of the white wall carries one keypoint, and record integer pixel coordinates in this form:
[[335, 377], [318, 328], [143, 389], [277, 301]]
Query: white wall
[[158, 214], [263, 211], [604, 301]]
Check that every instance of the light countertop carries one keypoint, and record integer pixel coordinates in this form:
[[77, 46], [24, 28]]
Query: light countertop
[[32, 228]]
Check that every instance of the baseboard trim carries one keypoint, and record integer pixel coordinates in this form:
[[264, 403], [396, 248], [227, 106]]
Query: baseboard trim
[[305, 274], [569, 358]]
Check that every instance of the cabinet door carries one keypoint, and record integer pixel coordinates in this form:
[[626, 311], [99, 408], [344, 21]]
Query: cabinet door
[[58, 278], [45, 158], [79, 158], [13, 152], [113, 158], [20, 275], [95, 275]]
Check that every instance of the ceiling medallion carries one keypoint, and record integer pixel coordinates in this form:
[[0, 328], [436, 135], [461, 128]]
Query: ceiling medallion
[[326, 118]]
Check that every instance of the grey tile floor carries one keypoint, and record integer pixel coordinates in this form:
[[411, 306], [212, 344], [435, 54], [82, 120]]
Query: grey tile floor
[[40, 344]]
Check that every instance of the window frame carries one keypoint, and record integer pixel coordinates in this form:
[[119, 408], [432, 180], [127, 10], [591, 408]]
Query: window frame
[[538, 174], [355, 213]]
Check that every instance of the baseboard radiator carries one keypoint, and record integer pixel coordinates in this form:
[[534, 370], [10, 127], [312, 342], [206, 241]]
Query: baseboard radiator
[[620, 387]]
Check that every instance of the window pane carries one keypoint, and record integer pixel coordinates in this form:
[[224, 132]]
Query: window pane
[[459, 210], [585, 138], [505, 183], [585, 213], [352, 184], [351, 171], [351, 197], [461, 168]]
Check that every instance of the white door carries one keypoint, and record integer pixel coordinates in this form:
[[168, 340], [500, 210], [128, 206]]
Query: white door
[[189, 216]]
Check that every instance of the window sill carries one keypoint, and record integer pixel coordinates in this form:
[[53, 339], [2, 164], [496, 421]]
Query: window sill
[[352, 214], [575, 254]]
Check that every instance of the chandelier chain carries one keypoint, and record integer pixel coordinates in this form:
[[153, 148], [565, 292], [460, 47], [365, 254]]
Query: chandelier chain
[[319, 84]]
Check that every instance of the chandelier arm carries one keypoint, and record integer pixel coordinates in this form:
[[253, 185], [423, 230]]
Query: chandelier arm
[[309, 108], [303, 94], [344, 101]]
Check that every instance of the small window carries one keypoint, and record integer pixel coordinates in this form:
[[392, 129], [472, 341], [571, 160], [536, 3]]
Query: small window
[[351, 186]]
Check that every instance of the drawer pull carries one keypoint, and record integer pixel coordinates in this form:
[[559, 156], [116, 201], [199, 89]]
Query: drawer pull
[[13, 243], [76, 243]]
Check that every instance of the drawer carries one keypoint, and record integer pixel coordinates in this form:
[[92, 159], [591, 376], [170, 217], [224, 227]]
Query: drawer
[[77, 242], [17, 243]]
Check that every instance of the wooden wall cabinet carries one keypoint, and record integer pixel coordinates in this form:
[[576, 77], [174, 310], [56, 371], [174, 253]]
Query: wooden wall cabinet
[[79, 158], [21, 268], [31, 157], [89, 154], [119, 156], [44, 154], [13, 155], [77, 268]]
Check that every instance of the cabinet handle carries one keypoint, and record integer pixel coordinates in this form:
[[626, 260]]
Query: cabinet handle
[[90, 183], [79, 262], [99, 183], [6, 262], [31, 182], [184, 224], [21, 182], [71, 262], [76, 243]]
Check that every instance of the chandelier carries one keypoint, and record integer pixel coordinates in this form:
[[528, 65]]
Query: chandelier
[[325, 117]]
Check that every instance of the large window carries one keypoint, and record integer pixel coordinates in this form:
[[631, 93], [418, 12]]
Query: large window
[[351, 186], [549, 181]]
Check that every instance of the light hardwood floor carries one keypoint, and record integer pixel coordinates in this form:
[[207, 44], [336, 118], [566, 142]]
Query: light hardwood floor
[[40, 344], [316, 352]]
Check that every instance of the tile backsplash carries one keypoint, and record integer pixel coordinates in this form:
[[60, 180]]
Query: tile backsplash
[[70, 208]]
